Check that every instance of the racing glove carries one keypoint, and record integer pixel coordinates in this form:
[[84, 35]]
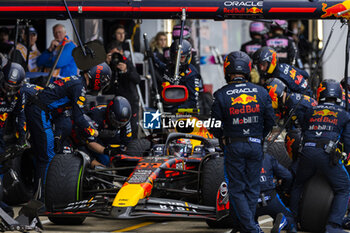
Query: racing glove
[[111, 150]]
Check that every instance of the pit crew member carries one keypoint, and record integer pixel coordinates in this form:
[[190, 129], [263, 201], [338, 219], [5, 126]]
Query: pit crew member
[[189, 76], [269, 202], [69, 91], [323, 127], [113, 124], [247, 116], [268, 66]]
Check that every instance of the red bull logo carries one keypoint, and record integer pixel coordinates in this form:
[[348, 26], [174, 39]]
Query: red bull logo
[[38, 88], [3, 116], [66, 79], [289, 144], [90, 131], [299, 79], [164, 84], [293, 72], [335, 9], [243, 99], [226, 63], [254, 10], [319, 90], [273, 62], [325, 112], [272, 92]]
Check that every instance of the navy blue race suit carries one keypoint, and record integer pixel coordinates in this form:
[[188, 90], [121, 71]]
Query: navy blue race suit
[[69, 91], [294, 78], [251, 46], [292, 102], [284, 46], [271, 169], [322, 124], [107, 133], [190, 78], [247, 116], [15, 107]]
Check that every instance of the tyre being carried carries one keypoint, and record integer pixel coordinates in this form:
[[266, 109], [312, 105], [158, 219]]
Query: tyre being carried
[[64, 186]]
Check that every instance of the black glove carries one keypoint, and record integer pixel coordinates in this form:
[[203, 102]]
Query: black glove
[[111, 150]]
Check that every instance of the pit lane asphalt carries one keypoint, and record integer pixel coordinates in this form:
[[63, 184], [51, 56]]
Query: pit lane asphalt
[[92, 224]]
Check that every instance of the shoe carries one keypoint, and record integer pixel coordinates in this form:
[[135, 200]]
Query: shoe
[[333, 229], [279, 224], [346, 223]]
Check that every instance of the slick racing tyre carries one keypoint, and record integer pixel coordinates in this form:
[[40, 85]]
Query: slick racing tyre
[[212, 177], [138, 147], [278, 150], [18, 184], [63, 186], [316, 204]]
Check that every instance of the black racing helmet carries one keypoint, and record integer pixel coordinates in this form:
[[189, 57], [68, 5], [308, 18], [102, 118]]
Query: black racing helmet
[[237, 63], [266, 55], [186, 52], [276, 88], [13, 76], [342, 82], [100, 77], [119, 112], [329, 89]]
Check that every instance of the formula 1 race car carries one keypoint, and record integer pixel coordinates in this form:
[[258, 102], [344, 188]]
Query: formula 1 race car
[[175, 181]]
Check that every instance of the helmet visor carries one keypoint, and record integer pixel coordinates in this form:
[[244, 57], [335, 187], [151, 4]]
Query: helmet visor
[[11, 89], [115, 122]]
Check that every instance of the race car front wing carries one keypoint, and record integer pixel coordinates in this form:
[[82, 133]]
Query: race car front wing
[[161, 208]]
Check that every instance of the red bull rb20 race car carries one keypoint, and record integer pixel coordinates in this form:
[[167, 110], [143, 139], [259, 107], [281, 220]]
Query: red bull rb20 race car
[[175, 182]]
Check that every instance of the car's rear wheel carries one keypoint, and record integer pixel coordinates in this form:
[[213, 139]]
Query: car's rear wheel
[[212, 177], [316, 204], [63, 186]]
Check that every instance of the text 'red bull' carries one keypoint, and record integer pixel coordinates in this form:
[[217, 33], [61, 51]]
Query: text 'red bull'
[[243, 99]]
